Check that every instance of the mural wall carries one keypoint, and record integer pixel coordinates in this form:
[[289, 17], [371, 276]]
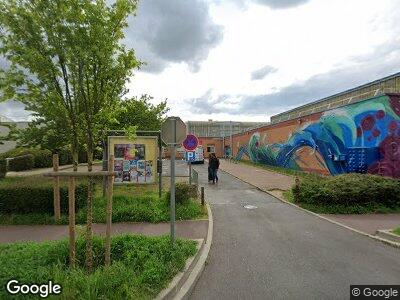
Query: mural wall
[[362, 137]]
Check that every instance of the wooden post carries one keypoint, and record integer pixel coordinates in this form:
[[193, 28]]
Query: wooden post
[[296, 190], [202, 195], [71, 205], [56, 188], [109, 210]]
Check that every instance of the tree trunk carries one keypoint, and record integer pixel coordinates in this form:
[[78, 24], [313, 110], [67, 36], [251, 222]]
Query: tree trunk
[[89, 221], [74, 149]]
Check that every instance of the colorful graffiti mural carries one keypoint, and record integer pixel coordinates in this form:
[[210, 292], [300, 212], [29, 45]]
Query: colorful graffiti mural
[[362, 137]]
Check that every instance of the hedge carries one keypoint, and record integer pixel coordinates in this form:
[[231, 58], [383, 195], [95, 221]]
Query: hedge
[[183, 193], [21, 163], [42, 157], [3, 168], [35, 195], [349, 189]]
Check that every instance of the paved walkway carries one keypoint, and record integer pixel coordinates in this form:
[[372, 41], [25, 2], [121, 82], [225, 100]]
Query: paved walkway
[[273, 182], [369, 223], [276, 251], [35, 172], [261, 178], [196, 229]]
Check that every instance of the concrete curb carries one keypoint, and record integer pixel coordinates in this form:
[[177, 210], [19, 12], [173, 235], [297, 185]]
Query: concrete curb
[[184, 282], [388, 235], [385, 241]]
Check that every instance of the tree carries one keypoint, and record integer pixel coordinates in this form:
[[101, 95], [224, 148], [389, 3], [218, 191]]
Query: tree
[[141, 113], [69, 67]]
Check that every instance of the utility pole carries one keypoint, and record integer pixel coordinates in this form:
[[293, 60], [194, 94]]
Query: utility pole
[[231, 154]]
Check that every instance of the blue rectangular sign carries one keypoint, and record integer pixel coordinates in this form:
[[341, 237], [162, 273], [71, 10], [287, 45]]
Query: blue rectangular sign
[[190, 155]]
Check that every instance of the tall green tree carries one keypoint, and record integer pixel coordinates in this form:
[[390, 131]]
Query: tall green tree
[[69, 66], [140, 112]]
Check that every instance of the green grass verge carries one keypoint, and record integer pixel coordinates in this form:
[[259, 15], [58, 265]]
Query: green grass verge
[[148, 208], [135, 203], [284, 171], [396, 231], [141, 267]]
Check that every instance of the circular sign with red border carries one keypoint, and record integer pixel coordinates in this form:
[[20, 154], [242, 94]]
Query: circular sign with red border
[[191, 142]]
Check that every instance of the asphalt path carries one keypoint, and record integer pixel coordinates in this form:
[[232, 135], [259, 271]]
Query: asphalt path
[[275, 251]]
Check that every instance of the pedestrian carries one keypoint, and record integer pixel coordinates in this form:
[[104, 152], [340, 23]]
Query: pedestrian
[[210, 175], [213, 165]]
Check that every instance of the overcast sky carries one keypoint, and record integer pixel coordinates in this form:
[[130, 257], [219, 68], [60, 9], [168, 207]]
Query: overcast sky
[[249, 59]]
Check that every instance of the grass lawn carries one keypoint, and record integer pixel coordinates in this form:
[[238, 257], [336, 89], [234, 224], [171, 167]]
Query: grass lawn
[[396, 231], [131, 203], [141, 267]]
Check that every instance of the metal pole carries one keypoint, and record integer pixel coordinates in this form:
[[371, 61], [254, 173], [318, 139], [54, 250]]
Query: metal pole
[[160, 162], [172, 199], [190, 172], [231, 154]]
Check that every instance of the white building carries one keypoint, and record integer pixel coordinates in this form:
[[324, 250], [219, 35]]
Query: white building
[[8, 145]]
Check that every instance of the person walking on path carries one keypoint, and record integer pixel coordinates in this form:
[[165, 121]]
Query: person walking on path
[[213, 167]]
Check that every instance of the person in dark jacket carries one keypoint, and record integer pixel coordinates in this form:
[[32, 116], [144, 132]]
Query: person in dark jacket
[[213, 165]]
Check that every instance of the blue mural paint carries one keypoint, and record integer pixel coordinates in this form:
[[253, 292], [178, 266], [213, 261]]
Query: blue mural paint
[[362, 137]]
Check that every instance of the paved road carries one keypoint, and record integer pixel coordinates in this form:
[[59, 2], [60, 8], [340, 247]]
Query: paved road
[[279, 252]]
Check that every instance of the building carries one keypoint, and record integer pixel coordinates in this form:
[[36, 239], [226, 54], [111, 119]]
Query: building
[[4, 130], [211, 133], [357, 130]]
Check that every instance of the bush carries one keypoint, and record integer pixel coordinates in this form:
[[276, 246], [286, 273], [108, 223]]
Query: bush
[[65, 157], [3, 168], [21, 163], [141, 266], [42, 157], [35, 195], [349, 189], [183, 192]]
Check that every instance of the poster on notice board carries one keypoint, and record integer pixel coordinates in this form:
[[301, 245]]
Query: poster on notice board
[[131, 165]]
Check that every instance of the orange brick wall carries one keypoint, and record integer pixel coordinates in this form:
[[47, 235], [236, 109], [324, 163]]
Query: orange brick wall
[[275, 133]]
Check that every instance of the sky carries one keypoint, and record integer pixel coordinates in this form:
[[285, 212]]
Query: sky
[[246, 60]]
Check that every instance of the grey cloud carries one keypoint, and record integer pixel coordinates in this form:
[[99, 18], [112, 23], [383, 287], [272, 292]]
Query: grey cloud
[[383, 62], [277, 4], [172, 31], [261, 73], [14, 110], [273, 4]]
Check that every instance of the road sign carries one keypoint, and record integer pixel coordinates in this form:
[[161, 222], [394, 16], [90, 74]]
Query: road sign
[[173, 131], [190, 156], [191, 142]]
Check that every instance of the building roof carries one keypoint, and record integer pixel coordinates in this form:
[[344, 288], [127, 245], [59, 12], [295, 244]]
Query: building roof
[[388, 84], [4, 119]]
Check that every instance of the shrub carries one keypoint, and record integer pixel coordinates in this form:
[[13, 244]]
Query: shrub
[[21, 163], [3, 168], [42, 157], [65, 157], [35, 195], [349, 189], [183, 192], [141, 266]]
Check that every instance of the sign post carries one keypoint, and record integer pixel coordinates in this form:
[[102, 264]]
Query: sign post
[[173, 132], [190, 143]]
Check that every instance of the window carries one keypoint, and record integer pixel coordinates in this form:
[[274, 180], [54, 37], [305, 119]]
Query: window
[[210, 148]]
